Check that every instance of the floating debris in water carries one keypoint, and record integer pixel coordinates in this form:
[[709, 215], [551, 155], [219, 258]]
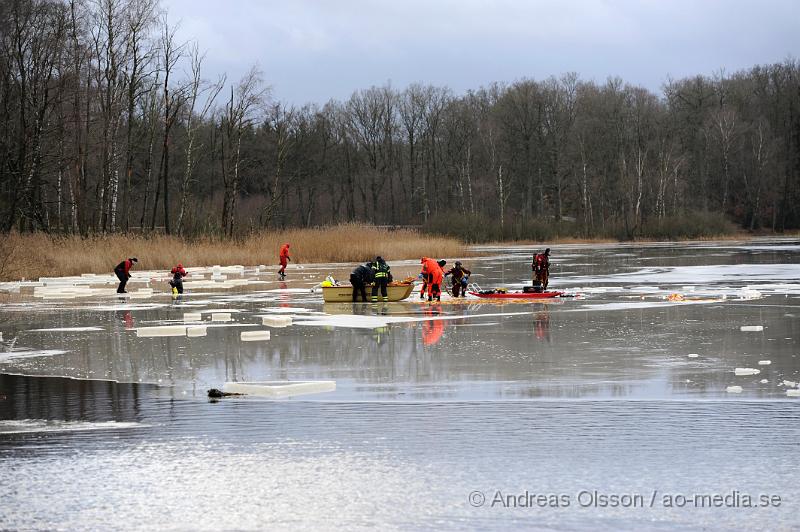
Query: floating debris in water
[[692, 355], [746, 371], [734, 389], [764, 362], [751, 328]]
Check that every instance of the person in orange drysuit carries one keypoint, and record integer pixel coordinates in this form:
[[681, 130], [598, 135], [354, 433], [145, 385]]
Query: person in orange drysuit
[[284, 258], [432, 274]]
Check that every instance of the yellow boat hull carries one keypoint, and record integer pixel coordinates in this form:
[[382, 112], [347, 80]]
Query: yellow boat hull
[[344, 294]]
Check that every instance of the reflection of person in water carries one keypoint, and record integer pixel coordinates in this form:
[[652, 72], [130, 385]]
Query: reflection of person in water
[[432, 330], [541, 325], [128, 319]]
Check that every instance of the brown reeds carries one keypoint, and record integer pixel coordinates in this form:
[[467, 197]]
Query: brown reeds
[[31, 256]]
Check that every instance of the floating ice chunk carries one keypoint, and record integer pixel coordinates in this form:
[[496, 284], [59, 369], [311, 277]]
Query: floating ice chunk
[[692, 355], [734, 389], [751, 328], [192, 316], [790, 384], [793, 393], [221, 316], [195, 331], [279, 388], [764, 362], [1, 337], [65, 329], [763, 381], [162, 330], [746, 371], [254, 336], [276, 321], [749, 293]]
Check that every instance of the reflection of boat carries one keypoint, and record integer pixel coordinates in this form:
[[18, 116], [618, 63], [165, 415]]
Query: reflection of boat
[[344, 294], [518, 295]]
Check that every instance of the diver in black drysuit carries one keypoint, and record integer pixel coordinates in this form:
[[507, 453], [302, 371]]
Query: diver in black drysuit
[[360, 278]]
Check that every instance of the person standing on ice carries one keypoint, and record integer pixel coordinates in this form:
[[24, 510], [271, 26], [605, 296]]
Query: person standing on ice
[[382, 276], [541, 268], [123, 272], [178, 273], [284, 259]]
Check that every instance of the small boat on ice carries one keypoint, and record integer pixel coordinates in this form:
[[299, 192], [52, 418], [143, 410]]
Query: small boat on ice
[[344, 293]]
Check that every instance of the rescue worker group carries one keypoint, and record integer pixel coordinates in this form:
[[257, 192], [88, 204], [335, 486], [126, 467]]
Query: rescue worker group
[[376, 274]]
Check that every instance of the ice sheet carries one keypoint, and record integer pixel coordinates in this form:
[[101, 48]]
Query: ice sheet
[[68, 329]]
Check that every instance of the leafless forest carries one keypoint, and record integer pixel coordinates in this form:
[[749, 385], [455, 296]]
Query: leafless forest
[[108, 124]]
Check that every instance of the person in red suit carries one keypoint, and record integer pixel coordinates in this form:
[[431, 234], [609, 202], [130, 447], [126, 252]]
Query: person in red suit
[[284, 259]]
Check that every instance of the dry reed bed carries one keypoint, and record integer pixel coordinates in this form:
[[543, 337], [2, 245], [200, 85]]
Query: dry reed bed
[[32, 256]]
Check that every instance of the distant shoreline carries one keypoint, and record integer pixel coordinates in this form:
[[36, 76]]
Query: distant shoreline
[[30, 256]]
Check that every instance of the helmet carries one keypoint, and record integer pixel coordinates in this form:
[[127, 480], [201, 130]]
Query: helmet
[[180, 265], [134, 259], [378, 259], [547, 251], [458, 263], [441, 262]]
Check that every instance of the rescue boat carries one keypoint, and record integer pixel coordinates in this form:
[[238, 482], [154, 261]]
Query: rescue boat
[[344, 293]]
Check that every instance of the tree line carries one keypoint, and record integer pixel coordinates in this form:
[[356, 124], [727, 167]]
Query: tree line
[[107, 124]]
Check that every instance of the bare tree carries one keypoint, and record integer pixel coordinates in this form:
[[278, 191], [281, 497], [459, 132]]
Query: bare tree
[[197, 89], [240, 113]]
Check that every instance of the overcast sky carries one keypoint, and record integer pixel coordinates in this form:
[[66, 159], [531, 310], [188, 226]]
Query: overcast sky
[[314, 51]]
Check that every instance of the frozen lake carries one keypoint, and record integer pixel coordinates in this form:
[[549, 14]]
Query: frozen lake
[[673, 373]]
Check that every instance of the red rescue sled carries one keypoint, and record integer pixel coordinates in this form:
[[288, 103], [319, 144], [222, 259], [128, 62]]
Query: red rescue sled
[[518, 295]]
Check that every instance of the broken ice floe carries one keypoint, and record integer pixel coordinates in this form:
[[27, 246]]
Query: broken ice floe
[[19, 353], [276, 321], [194, 331], [793, 393], [22, 426], [692, 355], [751, 328], [65, 329], [734, 389], [746, 371], [254, 336], [764, 362], [277, 389], [162, 330]]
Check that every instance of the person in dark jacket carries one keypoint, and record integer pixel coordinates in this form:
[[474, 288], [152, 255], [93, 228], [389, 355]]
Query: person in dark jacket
[[178, 273], [382, 276], [459, 278], [123, 272], [360, 278]]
